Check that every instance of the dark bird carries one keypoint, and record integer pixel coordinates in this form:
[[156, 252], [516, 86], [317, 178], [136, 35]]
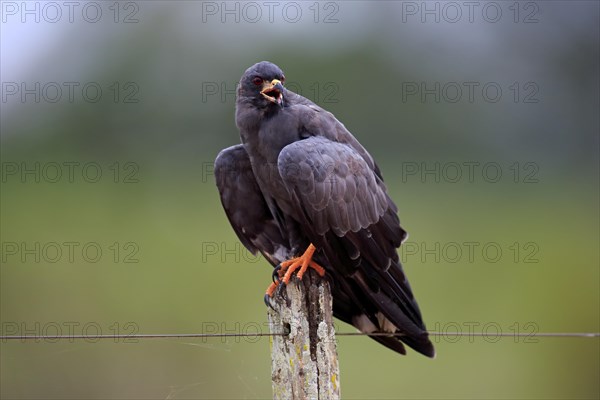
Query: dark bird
[[303, 192]]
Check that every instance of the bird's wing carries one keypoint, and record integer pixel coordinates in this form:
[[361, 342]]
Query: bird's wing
[[246, 207], [343, 207], [334, 185]]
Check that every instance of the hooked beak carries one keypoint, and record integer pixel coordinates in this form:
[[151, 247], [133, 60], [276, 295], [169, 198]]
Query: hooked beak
[[273, 92]]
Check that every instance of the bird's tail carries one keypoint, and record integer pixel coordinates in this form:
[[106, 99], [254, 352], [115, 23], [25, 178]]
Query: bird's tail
[[420, 344], [398, 310]]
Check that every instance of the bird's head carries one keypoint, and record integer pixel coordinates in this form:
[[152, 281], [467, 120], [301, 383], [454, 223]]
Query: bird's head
[[262, 85]]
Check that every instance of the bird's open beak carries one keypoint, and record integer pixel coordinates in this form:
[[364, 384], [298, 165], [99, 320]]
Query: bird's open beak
[[273, 91]]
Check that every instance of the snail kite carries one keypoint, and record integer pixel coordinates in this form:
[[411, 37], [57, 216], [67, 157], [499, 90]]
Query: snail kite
[[302, 191]]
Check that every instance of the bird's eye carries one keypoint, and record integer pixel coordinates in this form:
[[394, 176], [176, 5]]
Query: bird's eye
[[257, 81], [282, 79]]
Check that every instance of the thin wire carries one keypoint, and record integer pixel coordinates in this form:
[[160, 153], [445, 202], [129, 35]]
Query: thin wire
[[226, 335], [139, 336], [483, 334]]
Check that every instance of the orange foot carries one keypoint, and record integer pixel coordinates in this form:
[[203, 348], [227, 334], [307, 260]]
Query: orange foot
[[287, 268]]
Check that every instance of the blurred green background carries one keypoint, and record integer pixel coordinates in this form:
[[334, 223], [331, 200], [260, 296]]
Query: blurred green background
[[170, 263]]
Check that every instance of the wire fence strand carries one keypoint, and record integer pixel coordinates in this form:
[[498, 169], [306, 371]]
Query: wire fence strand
[[258, 334]]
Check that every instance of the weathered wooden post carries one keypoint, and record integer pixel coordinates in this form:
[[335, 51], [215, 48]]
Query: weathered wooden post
[[304, 364]]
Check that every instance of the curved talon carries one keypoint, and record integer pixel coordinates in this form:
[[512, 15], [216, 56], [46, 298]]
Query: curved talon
[[276, 272], [279, 290], [269, 293], [267, 300]]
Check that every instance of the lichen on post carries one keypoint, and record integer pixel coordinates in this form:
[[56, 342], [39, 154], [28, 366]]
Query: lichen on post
[[304, 364]]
